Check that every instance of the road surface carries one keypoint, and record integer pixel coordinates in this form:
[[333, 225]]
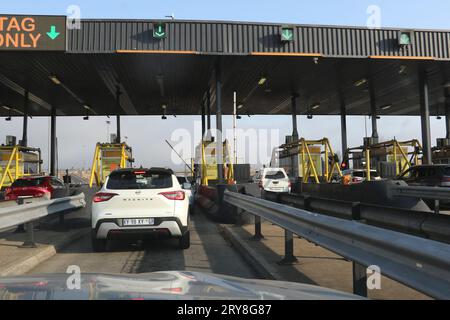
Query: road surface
[[209, 252]]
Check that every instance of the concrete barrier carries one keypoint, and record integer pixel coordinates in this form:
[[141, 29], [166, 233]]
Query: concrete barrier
[[370, 192]]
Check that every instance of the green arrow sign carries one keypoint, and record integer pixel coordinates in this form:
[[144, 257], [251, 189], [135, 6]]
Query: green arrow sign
[[159, 30], [52, 34], [287, 34], [405, 38]]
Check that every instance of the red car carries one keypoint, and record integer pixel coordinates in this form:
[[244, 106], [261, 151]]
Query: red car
[[38, 186]]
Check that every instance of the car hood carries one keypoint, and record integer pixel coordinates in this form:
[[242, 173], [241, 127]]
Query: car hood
[[169, 285]]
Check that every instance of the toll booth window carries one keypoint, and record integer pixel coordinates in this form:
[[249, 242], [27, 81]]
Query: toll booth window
[[27, 182], [139, 180], [275, 175]]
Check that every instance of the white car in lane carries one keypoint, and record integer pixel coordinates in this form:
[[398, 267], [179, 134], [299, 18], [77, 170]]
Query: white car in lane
[[275, 180], [188, 189], [136, 203]]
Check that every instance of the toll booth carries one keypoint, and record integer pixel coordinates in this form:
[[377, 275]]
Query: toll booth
[[441, 153], [107, 158], [310, 161], [206, 163], [17, 161], [400, 155]]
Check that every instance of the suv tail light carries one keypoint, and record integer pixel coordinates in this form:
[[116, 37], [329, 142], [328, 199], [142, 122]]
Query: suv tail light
[[103, 196], [173, 195]]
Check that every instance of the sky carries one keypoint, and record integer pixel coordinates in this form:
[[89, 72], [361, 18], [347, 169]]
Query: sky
[[77, 138]]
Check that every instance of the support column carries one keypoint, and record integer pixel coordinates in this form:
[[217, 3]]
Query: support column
[[447, 117], [208, 136], [425, 115], [373, 109], [446, 92], [208, 109], [359, 276], [118, 139], [289, 257], [341, 97], [25, 120], [53, 142], [343, 128], [294, 116], [219, 145], [203, 121]]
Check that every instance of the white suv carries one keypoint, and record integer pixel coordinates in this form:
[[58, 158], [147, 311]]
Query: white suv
[[134, 203], [275, 180]]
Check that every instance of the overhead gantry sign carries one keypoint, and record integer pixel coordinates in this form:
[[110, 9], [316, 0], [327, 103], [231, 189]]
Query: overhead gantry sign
[[33, 33]]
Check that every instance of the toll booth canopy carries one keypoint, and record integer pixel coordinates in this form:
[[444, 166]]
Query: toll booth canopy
[[174, 67]]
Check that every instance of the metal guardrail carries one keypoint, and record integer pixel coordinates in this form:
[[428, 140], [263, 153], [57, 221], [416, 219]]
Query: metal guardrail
[[423, 192], [30, 212], [419, 263], [423, 224]]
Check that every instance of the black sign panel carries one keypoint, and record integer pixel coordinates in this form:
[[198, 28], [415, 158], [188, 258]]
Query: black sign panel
[[32, 33]]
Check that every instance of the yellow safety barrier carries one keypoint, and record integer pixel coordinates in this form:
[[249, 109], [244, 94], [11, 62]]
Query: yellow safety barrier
[[107, 158], [209, 163], [310, 159], [17, 162], [403, 153]]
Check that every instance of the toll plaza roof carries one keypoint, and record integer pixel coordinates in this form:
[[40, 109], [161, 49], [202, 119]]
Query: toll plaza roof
[[173, 63]]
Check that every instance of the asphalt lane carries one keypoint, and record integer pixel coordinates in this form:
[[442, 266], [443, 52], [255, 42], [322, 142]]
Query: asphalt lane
[[209, 252]]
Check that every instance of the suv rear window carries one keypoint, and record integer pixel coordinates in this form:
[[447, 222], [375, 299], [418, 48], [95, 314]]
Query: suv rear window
[[182, 180], [28, 182], [139, 180], [275, 175]]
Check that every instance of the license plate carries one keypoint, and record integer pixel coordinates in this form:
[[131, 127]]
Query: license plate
[[139, 222]]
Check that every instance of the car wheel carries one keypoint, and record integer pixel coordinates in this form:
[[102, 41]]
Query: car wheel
[[185, 240], [98, 245]]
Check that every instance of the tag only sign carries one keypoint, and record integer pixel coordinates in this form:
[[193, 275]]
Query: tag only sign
[[32, 33]]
